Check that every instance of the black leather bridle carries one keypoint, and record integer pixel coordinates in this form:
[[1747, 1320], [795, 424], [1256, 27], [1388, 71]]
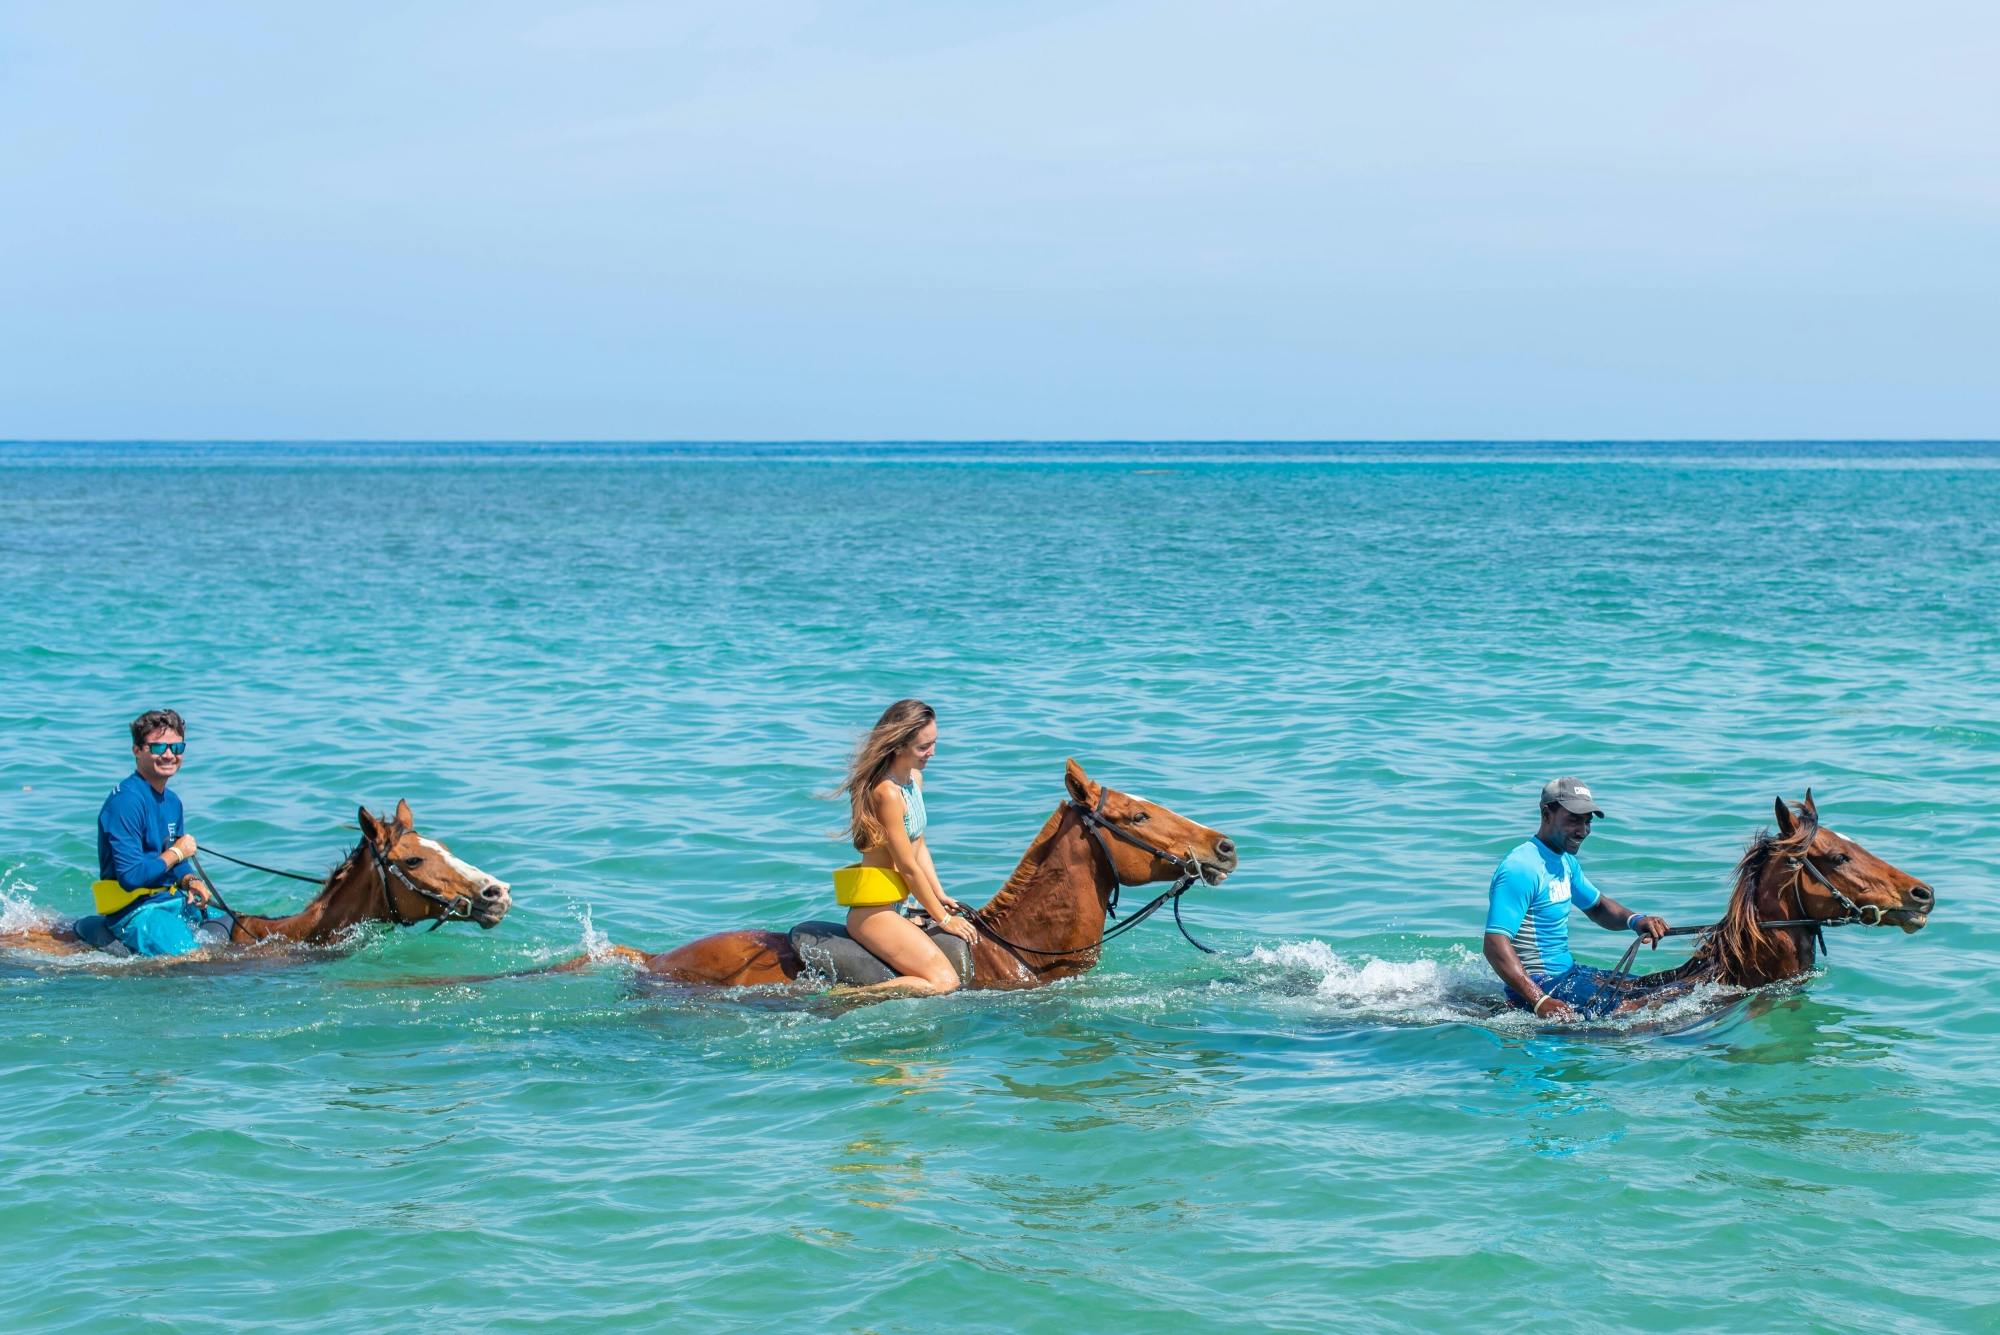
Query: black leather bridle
[[385, 867], [1189, 871], [1801, 863]]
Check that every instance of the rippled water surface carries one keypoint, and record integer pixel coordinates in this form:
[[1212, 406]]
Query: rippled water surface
[[620, 678]]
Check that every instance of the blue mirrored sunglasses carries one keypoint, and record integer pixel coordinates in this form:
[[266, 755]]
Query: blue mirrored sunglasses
[[161, 748]]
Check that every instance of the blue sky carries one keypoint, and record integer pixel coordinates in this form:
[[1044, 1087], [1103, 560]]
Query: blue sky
[[1606, 218]]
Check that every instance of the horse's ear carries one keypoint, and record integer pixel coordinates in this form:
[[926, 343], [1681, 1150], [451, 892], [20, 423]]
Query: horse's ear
[[371, 827], [404, 820], [1787, 827], [1811, 808], [1079, 784]]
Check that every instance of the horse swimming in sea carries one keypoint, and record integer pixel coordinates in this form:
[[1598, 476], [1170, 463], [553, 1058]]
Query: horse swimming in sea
[[394, 875], [1790, 887], [1047, 922]]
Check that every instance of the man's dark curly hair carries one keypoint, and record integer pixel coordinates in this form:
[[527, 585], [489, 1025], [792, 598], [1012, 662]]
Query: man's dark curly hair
[[156, 720]]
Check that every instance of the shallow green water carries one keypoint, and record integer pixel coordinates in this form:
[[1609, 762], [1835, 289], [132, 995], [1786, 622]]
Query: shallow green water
[[619, 677]]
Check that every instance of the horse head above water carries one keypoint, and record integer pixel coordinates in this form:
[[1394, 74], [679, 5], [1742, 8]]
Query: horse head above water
[[1156, 844], [1790, 886], [393, 875], [1047, 921]]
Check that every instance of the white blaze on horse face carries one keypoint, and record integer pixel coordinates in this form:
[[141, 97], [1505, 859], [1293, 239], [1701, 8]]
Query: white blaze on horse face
[[460, 865]]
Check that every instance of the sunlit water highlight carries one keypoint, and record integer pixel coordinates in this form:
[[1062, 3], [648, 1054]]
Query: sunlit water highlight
[[619, 678]]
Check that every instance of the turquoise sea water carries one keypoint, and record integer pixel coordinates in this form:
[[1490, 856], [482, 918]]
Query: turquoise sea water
[[618, 677]]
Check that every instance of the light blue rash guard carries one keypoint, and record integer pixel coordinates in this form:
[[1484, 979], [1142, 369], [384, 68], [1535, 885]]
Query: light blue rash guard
[[1529, 901], [134, 827]]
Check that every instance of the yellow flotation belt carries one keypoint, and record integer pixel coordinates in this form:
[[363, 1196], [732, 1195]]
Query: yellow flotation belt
[[868, 886], [111, 896]]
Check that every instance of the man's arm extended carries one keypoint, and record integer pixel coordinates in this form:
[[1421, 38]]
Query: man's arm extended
[[1612, 916]]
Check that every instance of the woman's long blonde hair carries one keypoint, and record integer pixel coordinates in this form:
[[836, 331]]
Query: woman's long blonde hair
[[892, 732]]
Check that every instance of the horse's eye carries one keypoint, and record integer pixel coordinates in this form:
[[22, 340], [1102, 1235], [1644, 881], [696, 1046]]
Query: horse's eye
[[1140, 818], [413, 862]]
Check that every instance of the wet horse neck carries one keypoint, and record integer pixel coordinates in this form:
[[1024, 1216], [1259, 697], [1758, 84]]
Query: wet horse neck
[[1790, 951], [1757, 956], [349, 897], [1055, 901]]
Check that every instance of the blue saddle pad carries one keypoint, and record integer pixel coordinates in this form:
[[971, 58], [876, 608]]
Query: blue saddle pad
[[95, 931], [827, 949]]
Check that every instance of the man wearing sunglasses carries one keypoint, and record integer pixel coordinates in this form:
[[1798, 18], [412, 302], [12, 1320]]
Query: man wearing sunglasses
[[152, 902]]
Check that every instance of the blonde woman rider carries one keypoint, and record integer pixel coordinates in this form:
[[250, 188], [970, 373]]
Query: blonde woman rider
[[885, 792]]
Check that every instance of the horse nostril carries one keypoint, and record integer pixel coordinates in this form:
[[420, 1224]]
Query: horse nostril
[[1225, 848], [1923, 894], [493, 893]]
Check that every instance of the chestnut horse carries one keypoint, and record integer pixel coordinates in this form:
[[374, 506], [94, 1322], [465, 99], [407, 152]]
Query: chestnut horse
[[1790, 887], [393, 875], [1047, 921]]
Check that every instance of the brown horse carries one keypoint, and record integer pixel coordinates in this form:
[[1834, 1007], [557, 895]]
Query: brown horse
[[393, 875], [1047, 921], [1791, 886]]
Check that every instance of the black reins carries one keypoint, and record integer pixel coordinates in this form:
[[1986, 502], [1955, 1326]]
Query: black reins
[[1189, 871], [1867, 915], [269, 871], [235, 918]]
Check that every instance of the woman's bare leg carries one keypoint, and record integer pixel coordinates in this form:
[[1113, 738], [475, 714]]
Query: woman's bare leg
[[920, 966]]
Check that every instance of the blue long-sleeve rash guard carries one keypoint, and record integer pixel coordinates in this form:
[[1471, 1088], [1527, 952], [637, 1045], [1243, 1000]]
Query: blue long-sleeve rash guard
[[134, 827]]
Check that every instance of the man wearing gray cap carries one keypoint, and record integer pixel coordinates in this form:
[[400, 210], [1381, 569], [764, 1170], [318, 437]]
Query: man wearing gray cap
[[1527, 915]]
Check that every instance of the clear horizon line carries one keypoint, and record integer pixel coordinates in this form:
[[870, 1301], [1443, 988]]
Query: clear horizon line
[[1000, 440]]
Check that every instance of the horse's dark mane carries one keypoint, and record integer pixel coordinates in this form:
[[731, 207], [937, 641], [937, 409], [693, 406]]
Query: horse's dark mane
[[1738, 940], [332, 877]]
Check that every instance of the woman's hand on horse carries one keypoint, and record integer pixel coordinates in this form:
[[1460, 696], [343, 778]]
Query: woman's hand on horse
[[960, 926]]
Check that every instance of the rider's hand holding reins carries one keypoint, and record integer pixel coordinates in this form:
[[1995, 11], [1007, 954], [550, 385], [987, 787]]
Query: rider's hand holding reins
[[955, 921], [1652, 929]]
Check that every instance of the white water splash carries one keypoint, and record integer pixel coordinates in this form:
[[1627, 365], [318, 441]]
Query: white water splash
[[20, 914], [595, 943], [1408, 991], [18, 911], [1457, 988]]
